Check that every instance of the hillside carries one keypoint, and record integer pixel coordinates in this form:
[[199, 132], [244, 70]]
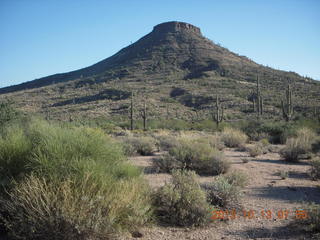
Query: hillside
[[177, 69]]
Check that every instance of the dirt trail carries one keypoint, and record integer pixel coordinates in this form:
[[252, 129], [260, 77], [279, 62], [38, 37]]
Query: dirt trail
[[265, 195]]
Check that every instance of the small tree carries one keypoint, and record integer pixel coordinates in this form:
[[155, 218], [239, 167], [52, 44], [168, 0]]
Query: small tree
[[131, 112]]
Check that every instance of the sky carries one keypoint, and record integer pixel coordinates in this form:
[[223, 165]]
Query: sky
[[39, 38]]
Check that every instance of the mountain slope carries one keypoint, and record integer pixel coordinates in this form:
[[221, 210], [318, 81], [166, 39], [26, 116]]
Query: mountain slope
[[174, 55]]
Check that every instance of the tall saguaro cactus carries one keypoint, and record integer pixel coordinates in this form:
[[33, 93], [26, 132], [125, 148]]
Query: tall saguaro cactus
[[144, 115], [258, 101], [287, 108], [218, 115], [131, 112]]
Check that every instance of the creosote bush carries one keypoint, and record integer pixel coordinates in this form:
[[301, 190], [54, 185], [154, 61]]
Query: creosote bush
[[233, 137], [192, 155], [182, 202], [64, 182]]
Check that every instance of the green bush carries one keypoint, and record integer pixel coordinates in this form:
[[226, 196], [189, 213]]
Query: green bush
[[182, 202], [276, 132], [61, 179], [233, 137], [315, 168], [190, 155]]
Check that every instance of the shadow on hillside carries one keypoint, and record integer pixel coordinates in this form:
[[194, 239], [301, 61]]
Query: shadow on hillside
[[289, 231], [111, 94], [286, 193]]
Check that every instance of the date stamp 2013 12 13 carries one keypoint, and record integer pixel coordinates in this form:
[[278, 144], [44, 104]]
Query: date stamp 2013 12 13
[[281, 214]]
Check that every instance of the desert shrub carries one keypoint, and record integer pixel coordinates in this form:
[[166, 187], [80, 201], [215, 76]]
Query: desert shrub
[[142, 145], [275, 132], [312, 222], [167, 163], [200, 157], [233, 137], [307, 137], [223, 193], [67, 178], [182, 202], [255, 150], [167, 142], [315, 168], [292, 150], [42, 209], [261, 147], [214, 140], [237, 178], [296, 146]]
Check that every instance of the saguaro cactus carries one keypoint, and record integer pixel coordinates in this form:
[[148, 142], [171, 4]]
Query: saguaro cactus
[[257, 100], [218, 115], [287, 108], [131, 112], [144, 115]]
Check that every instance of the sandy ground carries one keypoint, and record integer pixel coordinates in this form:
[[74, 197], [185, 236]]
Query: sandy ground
[[265, 195]]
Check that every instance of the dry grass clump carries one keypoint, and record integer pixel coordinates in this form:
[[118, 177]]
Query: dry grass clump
[[233, 137], [192, 155], [182, 202], [299, 145]]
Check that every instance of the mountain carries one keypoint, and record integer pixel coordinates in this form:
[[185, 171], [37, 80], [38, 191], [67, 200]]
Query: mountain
[[172, 65]]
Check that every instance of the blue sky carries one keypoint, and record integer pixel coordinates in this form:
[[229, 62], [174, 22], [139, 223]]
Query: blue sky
[[40, 38]]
